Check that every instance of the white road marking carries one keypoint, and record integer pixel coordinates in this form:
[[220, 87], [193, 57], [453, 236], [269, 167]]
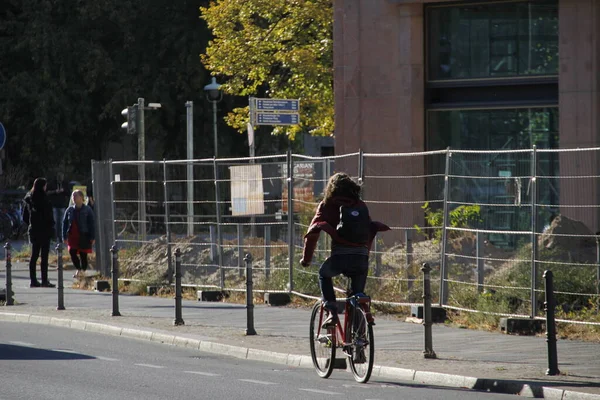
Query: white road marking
[[66, 351], [149, 366], [257, 382], [201, 373], [106, 358], [319, 391], [356, 385], [22, 343]]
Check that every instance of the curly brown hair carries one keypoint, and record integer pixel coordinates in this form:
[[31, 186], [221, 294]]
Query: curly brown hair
[[341, 184]]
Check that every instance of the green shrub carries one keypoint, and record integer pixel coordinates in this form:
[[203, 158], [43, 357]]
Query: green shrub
[[460, 217]]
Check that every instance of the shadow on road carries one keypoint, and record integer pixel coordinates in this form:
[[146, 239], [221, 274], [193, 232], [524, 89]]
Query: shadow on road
[[15, 352]]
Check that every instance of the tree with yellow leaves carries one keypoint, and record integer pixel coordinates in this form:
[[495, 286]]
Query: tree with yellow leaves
[[275, 49]]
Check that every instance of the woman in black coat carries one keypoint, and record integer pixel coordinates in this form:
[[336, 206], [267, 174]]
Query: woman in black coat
[[38, 214]]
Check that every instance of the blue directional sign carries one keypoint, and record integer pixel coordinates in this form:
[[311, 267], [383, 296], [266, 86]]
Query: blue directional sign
[[277, 119], [277, 105], [2, 136]]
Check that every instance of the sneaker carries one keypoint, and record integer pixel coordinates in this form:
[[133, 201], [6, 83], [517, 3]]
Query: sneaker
[[35, 284], [48, 284], [330, 321]]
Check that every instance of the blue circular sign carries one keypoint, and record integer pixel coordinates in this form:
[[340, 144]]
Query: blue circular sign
[[2, 136]]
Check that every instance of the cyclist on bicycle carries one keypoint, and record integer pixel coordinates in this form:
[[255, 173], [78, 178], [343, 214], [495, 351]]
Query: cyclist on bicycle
[[345, 217]]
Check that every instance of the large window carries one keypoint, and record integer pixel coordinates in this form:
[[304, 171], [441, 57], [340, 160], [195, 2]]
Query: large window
[[493, 40], [493, 129], [492, 83]]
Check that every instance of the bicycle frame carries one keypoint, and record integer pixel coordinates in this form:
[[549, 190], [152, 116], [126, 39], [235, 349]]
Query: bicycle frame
[[342, 337]]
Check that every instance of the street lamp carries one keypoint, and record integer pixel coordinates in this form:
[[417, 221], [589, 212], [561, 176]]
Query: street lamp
[[214, 95]]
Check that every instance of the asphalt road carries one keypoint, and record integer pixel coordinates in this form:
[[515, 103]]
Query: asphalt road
[[45, 362]]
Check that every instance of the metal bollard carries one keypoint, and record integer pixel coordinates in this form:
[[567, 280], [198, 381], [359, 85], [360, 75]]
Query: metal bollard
[[9, 293], [428, 352], [178, 318], [60, 285], [249, 297], [550, 325], [115, 281]]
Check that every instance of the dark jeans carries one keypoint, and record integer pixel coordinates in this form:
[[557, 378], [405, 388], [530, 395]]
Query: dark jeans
[[38, 247], [79, 264], [354, 266]]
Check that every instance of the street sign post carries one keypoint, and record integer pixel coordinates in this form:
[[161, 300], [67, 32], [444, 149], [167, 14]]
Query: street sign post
[[2, 136], [274, 111]]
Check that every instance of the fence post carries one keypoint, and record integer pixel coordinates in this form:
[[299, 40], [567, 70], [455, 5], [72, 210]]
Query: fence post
[[178, 318], [167, 224], [267, 251], [444, 260], [9, 293], [377, 250], [534, 244], [213, 243], [115, 281], [428, 352], [249, 297], [219, 233], [597, 262], [480, 261], [550, 325], [409, 258], [240, 246], [291, 247], [112, 201], [189, 105], [361, 167], [60, 286]]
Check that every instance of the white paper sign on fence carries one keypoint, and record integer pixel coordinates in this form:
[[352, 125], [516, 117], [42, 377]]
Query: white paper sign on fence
[[247, 196]]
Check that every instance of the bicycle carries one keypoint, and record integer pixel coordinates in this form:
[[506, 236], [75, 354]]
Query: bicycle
[[354, 337]]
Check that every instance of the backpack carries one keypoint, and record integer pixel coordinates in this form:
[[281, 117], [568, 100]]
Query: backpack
[[355, 223]]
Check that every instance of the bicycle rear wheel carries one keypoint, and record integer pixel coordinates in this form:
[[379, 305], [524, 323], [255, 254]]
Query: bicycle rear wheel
[[136, 223], [322, 344], [363, 347]]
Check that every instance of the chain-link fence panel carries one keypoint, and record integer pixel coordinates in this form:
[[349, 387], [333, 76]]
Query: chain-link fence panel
[[400, 190]]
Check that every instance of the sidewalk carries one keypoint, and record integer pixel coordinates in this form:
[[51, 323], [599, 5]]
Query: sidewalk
[[466, 358]]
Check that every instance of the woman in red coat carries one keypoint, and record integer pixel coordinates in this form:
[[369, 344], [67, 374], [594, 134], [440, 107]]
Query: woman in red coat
[[79, 232]]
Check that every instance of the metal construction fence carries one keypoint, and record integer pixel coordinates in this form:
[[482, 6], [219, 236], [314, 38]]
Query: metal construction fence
[[488, 222]]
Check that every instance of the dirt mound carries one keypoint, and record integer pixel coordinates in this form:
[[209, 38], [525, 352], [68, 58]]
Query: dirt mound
[[571, 238], [150, 261]]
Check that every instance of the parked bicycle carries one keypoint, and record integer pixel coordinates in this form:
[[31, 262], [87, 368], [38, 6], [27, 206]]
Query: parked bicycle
[[354, 337], [155, 221], [12, 225]]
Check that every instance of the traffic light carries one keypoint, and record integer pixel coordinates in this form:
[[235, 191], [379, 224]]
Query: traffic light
[[131, 114]]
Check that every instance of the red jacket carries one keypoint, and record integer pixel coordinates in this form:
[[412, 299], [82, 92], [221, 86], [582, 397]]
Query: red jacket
[[326, 218]]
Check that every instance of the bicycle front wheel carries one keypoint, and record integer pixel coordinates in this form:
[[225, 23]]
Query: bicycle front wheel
[[363, 347], [322, 344]]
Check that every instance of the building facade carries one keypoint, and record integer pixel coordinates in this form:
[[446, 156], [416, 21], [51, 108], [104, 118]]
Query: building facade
[[425, 75]]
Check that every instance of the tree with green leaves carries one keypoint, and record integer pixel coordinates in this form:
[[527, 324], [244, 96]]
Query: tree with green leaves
[[275, 49]]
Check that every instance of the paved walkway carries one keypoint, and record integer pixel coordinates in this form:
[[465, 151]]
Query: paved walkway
[[465, 358]]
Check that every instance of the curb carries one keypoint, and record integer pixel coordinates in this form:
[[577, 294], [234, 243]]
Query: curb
[[422, 377]]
